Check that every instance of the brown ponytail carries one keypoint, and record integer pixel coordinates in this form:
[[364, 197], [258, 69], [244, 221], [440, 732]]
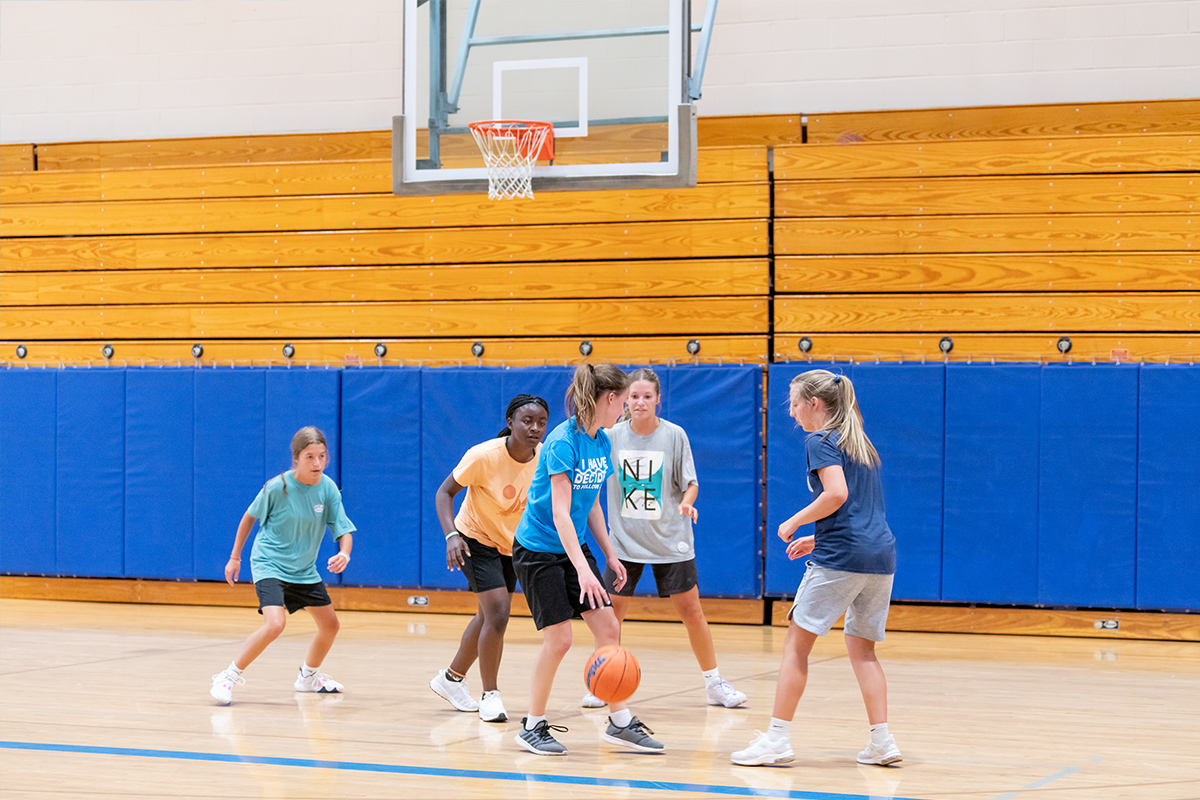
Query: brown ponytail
[[589, 383]]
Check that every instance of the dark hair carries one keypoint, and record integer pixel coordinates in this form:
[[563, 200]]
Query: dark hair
[[516, 403], [586, 387]]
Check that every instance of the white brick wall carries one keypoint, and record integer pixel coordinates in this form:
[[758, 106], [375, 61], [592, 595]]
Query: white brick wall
[[115, 69]]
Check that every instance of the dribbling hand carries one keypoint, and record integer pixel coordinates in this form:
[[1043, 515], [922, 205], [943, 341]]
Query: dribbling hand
[[687, 510], [591, 590]]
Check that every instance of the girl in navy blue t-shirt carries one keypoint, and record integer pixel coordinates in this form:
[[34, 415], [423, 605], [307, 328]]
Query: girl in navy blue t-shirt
[[851, 569]]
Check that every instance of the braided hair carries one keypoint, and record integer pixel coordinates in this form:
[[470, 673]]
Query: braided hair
[[516, 403]]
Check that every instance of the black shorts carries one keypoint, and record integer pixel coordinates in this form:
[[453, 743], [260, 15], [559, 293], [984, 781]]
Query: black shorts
[[674, 578], [292, 596], [551, 584], [487, 568]]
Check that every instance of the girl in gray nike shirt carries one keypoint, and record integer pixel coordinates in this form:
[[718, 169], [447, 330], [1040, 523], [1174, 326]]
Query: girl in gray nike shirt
[[651, 508]]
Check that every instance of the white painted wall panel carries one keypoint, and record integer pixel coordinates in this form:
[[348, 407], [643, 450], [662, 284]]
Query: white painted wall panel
[[117, 69]]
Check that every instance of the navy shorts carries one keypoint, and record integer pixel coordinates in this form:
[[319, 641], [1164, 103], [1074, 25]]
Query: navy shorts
[[551, 584], [292, 596], [487, 568], [676, 577]]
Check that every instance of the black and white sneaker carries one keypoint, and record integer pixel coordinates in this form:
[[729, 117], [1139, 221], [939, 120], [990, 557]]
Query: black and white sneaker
[[540, 740], [635, 735]]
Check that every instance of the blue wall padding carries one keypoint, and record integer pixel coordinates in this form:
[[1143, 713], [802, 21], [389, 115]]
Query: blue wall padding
[[460, 407], [903, 412], [381, 474], [721, 410], [297, 397], [1088, 490], [990, 525], [159, 468], [28, 470], [229, 448], [1069, 485], [903, 408], [1168, 496], [90, 502], [786, 487]]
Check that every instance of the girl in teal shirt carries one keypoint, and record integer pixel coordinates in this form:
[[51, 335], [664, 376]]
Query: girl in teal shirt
[[295, 508]]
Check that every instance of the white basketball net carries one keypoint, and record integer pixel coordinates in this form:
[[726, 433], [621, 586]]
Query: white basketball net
[[509, 152]]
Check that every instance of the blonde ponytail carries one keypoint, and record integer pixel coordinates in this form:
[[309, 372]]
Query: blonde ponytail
[[586, 387], [837, 393]]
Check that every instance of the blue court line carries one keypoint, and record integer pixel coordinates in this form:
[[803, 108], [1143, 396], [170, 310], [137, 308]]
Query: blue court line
[[356, 766], [1042, 782]]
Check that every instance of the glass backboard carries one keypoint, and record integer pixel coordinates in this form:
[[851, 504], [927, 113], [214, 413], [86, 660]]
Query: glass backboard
[[612, 76]]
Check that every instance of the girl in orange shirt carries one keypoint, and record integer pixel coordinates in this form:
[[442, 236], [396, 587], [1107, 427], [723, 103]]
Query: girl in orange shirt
[[496, 475]]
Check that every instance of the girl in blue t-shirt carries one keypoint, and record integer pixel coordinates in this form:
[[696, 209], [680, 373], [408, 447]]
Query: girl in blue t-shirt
[[295, 509], [552, 560], [851, 569]]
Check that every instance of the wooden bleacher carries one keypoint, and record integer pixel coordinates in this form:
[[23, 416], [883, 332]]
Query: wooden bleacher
[[1002, 228], [871, 234], [244, 243]]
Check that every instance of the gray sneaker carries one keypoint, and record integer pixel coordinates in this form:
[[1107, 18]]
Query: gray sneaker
[[540, 740], [635, 735]]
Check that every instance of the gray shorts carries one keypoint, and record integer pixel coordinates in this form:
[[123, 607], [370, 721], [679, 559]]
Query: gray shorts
[[825, 594]]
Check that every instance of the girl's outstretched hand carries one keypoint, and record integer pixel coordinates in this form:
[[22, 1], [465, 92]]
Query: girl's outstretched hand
[[339, 562], [232, 567], [801, 547], [689, 510]]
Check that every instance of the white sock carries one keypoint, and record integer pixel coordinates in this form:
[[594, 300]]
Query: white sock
[[779, 729], [531, 721], [233, 667], [712, 676], [621, 718], [879, 733], [308, 671]]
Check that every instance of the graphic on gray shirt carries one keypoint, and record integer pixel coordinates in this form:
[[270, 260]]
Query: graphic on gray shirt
[[652, 473]]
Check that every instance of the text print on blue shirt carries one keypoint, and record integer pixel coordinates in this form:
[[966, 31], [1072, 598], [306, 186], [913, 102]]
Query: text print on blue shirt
[[590, 474]]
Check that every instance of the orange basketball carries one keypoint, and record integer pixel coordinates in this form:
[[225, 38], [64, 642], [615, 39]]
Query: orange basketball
[[612, 674]]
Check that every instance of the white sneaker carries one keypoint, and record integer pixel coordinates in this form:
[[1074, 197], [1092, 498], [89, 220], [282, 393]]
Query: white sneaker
[[455, 692], [317, 682], [722, 693], [764, 750], [882, 754], [491, 709], [222, 686], [591, 701]]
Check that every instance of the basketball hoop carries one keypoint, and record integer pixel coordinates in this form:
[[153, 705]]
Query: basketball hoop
[[510, 148]]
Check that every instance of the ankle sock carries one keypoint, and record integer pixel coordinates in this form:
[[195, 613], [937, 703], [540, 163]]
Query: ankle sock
[[712, 676], [779, 729], [450, 676], [879, 733], [307, 671], [531, 721], [621, 718], [233, 667]]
